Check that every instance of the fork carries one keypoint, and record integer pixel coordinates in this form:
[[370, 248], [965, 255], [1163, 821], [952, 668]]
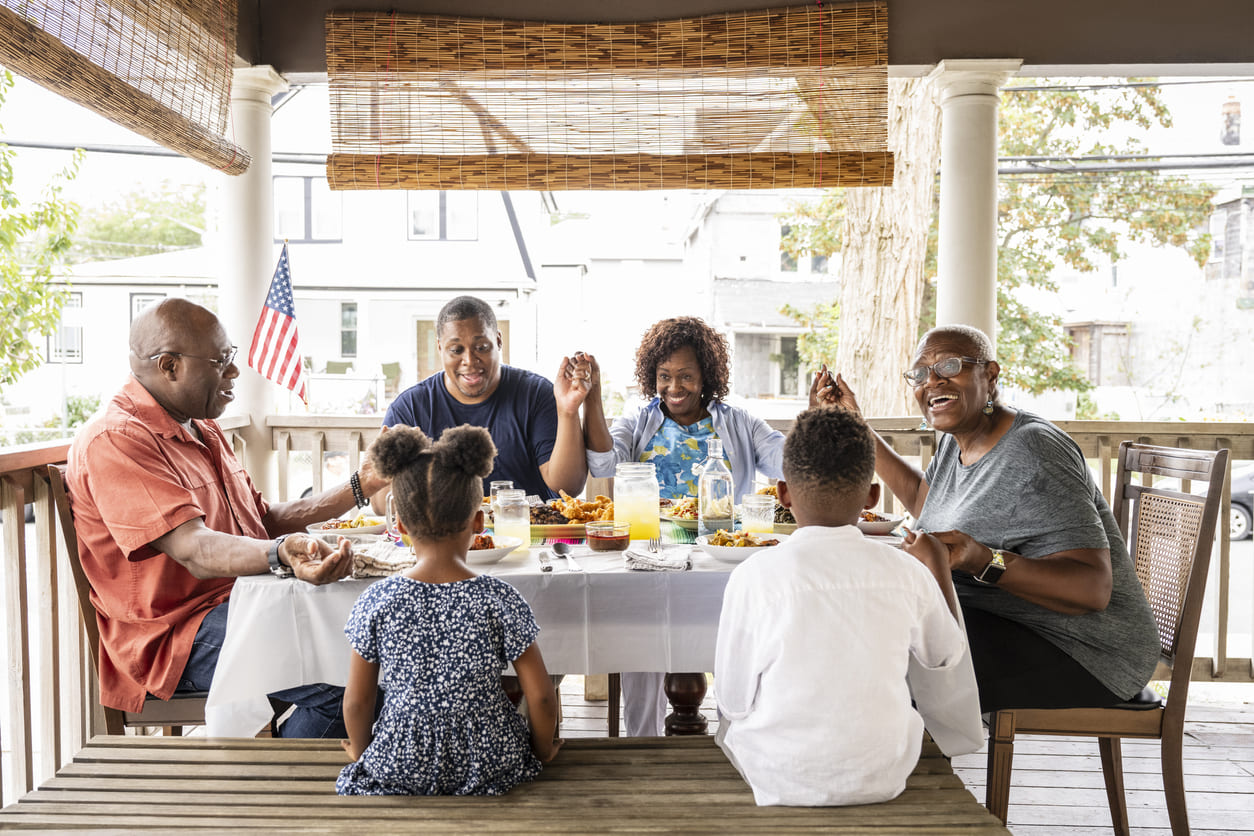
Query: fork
[[655, 544]]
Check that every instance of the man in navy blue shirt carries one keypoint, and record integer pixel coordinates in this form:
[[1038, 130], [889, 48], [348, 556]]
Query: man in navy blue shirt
[[534, 423]]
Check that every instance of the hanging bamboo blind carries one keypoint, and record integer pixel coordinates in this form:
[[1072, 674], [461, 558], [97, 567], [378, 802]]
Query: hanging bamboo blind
[[161, 68], [788, 97]]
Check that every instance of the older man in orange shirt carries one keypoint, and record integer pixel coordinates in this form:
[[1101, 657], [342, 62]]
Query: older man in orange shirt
[[167, 518]]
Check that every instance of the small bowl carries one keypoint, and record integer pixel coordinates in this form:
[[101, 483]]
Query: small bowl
[[880, 526], [608, 536]]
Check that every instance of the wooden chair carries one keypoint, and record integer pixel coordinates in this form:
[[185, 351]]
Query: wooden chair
[[1169, 537], [182, 709]]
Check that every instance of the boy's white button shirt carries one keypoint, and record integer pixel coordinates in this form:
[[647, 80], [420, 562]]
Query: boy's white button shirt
[[814, 642]]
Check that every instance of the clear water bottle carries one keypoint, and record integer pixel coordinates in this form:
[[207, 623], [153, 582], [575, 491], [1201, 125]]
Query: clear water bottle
[[714, 491]]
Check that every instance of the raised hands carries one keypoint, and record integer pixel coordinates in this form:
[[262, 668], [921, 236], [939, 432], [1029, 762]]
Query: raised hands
[[829, 390], [578, 378]]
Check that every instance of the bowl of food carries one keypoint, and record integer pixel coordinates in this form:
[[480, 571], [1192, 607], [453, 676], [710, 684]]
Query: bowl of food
[[488, 549], [361, 524], [735, 546], [608, 535], [872, 523]]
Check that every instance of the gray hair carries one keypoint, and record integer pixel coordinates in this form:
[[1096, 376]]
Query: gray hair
[[981, 345]]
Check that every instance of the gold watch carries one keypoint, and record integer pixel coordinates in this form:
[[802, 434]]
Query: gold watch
[[993, 571]]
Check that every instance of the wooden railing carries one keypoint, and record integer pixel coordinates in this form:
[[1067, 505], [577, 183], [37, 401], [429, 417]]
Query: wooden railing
[[50, 703]]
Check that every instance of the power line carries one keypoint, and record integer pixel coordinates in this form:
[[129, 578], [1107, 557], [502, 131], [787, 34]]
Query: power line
[[1122, 85]]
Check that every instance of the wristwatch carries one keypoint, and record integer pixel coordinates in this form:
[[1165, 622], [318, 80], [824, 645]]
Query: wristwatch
[[993, 571], [278, 567]]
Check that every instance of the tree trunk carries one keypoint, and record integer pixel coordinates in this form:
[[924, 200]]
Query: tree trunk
[[884, 246]]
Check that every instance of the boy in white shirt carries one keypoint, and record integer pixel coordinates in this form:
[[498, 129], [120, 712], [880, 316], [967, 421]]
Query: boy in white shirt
[[815, 635]]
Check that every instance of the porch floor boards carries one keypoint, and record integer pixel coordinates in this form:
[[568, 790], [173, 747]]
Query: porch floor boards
[[1057, 787]]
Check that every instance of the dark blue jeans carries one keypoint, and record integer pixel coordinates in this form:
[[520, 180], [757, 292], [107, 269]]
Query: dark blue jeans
[[319, 707]]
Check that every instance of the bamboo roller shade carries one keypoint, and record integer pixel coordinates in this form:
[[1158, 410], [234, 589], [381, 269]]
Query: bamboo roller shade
[[779, 98], [161, 68]]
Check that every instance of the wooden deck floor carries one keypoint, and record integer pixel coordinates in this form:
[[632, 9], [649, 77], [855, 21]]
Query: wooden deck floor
[[1057, 788]]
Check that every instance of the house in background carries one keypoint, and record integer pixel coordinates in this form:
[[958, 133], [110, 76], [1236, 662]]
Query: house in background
[[565, 272]]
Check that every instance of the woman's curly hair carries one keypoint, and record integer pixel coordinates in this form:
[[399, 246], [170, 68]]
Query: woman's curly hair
[[668, 336], [437, 487]]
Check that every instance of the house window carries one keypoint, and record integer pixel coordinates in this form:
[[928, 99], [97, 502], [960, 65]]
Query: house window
[[348, 329], [789, 367], [1101, 351], [140, 301], [787, 261], [66, 346], [443, 216], [306, 210]]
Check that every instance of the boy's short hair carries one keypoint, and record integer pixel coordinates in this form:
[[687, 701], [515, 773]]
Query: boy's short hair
[[829, 450]]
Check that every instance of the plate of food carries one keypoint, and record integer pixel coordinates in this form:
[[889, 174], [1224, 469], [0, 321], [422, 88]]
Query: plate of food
[[361, 524], [735, 546], [488, 549], [682, 512], [872, 523]]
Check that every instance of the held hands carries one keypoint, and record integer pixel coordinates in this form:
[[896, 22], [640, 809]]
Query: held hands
[[371, 482], [965, 553], [826, 390], [578, 378], [315, 561], [928, 550]]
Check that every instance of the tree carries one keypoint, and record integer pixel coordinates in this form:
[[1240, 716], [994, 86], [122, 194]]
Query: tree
[[881, 234], [34, 242], [1044, 221], [169, 216]]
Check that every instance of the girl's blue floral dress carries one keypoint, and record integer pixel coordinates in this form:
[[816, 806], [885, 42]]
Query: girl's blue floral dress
[[446, 727]]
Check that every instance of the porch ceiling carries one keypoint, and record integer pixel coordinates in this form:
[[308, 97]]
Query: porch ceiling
[[1061, 37]]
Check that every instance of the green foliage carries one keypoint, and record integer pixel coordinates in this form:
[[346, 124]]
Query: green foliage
[[34, 242], [1086, 409], [1045, 222], [148, 220], [817, 345]]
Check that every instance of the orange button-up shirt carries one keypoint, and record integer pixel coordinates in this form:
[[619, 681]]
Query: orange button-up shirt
[[135, 474]]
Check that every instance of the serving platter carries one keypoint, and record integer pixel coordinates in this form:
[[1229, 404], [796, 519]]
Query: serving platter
[[884, 526], [317, 528], [569, 531], [685, 524]]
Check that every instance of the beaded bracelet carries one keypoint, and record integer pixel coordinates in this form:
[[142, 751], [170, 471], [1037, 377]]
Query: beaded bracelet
[[358, 496]]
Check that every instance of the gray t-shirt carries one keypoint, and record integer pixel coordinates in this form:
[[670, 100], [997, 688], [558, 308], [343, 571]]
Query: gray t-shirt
[[1033, 495]]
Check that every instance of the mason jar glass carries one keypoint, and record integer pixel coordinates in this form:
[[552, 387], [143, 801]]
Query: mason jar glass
[[636, 499]]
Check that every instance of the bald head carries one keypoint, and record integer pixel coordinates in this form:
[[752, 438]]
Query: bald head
[[175, 346], [171, 325]]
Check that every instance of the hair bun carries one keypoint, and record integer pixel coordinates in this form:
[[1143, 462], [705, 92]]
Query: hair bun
[[397, 448], [466, 448]]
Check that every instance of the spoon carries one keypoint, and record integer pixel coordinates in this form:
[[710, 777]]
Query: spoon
[[562, 550]]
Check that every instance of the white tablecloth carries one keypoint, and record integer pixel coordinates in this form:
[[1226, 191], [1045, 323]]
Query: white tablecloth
[[283, 633]]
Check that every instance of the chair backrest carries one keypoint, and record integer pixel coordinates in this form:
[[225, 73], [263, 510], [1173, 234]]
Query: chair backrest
[[61, 501], [1169, 536], [339, 366]]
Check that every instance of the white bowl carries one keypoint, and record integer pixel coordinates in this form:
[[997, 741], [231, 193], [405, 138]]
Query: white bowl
[[735, 554], [504, 545], [354, 536], [886, 526], [317, 528]]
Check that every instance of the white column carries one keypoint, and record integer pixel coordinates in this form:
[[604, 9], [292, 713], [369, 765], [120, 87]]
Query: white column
[[966, 284], [249, 256]]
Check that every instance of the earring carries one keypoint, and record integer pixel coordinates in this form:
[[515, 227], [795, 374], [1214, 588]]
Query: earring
[[988, 407]]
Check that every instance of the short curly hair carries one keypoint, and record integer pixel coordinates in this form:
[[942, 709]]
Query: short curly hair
[[666, 337], [829, 451], [437, 487]]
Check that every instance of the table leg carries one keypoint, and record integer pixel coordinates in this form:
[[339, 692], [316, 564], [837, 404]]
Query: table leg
[[685, 691]]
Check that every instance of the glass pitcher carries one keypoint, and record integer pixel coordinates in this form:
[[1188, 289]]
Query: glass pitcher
[[636, 499]]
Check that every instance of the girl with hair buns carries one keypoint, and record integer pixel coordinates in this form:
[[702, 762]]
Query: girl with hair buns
[[436, 638]]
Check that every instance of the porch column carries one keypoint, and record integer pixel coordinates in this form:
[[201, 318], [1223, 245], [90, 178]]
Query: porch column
[[966, 284], [249, 256]]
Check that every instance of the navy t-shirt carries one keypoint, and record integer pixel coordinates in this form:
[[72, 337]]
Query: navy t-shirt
[[521, 416]]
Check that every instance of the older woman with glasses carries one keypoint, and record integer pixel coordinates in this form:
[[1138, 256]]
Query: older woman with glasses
[[1055, 615]]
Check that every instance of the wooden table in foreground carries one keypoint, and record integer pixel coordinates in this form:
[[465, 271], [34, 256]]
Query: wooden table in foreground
[[676, 784]]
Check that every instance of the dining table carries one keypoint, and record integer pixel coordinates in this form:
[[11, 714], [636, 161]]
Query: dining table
[[595, 618]]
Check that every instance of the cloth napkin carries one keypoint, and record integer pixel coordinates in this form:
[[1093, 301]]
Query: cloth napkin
[[380, 559], [674, 559]]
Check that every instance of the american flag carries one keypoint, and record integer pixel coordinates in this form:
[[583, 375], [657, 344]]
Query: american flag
[[275, 353]]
